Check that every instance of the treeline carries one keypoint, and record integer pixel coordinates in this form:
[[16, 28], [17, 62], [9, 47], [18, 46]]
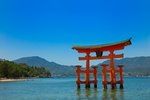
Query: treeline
[[10, 69]]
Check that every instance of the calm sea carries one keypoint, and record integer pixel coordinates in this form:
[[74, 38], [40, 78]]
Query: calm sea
[[135, 88]]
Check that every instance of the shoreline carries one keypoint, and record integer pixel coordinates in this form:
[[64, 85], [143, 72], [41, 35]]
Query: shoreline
[[11, 80]]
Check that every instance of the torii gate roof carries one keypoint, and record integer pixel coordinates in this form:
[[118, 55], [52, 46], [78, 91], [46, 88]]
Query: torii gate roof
[[104, 46]]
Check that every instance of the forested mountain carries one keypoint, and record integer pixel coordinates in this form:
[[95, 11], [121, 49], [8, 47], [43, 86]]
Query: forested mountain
[[134, 65], [54, 68], [10, 69]]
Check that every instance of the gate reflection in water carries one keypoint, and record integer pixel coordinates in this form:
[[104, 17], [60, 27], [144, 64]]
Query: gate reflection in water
[[96, 94]]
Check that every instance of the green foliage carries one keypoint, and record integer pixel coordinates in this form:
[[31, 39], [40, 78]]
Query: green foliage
[[12, 70]]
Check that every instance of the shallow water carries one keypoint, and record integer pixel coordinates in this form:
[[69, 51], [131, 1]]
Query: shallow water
[[65, 89]]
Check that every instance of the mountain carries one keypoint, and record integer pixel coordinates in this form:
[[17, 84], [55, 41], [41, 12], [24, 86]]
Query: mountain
[[134, 65], [1, 59], [55, 69]]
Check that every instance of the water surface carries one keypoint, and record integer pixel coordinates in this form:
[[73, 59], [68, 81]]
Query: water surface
[[135, 88]]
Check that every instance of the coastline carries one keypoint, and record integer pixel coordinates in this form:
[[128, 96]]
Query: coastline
[[11, 80]]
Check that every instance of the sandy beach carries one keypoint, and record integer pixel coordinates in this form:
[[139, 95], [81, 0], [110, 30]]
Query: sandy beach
[[11, 80]]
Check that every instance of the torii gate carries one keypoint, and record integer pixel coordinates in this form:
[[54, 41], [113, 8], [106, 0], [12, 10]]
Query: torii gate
[[99, 49]]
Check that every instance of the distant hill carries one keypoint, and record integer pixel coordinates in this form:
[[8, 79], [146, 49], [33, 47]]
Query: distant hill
[[1, 59], [134, 65], [55, 69]]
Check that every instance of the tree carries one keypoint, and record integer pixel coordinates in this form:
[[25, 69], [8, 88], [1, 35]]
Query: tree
[[12, 70]]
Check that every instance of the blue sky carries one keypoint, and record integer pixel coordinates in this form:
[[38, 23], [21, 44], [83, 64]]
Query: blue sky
[[49, 28]]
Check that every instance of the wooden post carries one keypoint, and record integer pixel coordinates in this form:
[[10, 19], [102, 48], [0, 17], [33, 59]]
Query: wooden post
[[121, 76], [112, 73], [104, 73], [87, 77], [78, 76], [95, 76]]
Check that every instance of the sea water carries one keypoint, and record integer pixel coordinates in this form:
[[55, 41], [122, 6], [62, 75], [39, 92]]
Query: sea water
[[135, 88]]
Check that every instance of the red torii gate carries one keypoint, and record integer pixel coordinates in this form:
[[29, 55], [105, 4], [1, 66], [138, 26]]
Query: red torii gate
[[99, 49]]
